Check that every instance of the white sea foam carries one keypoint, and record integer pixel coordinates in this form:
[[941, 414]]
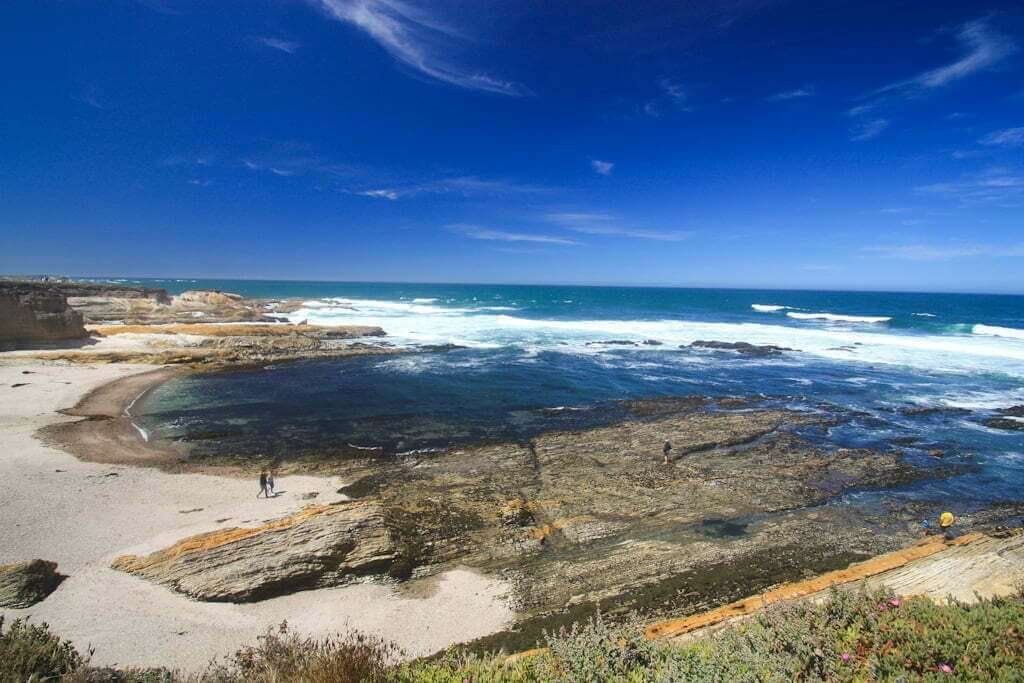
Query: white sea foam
[[767, 308], [924, 315], [836, 318], [995, 331], [481, 327], [424, 301]]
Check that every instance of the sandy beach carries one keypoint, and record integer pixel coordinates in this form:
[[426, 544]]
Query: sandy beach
[[84, 514]]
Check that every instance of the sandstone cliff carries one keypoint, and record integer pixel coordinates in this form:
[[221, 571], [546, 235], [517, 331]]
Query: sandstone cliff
[[32, 313]]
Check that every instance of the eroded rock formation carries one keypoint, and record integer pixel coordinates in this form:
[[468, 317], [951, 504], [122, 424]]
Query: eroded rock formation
[[323, 545], [25, 583], [32, 313]]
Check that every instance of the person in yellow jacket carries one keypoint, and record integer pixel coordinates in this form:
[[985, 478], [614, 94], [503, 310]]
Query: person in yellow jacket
[[946, 521]]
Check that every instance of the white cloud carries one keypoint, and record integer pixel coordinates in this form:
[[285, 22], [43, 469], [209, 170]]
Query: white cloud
[[995, 185], [1010, 137], [806, 91], [946, 252], [607, 224], [869, 129], [477, 232], [380, 194], [416, 39], [289, 46], [982, 48], [602, 167], [464, 185]]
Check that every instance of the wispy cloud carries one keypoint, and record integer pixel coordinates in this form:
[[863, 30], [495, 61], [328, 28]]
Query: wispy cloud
[[673, 95], [869, 129], [946, 252], [416, 39], [462, 185], [289, 46], [982, 47], [992, 186], [1009, 137], [602, 167], [478, 232], [805, 91], [607, 224], [380, 194], [91, 96]]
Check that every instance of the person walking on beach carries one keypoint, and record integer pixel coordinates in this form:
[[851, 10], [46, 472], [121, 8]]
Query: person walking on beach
[[270, 484], [263, 484], [666, 449]]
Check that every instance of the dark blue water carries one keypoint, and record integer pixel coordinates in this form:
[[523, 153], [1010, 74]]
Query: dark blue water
[[869, 359]]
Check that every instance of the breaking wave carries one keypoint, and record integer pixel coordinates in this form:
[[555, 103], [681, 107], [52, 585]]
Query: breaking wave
[[486, 328], [836, 318], [767, 308], [995, 331]]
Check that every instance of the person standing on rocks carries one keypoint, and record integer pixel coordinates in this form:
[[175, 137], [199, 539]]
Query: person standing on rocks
[[263, 484], [666, 449]]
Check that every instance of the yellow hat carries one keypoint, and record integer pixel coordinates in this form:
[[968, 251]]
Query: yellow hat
[[946, 519]]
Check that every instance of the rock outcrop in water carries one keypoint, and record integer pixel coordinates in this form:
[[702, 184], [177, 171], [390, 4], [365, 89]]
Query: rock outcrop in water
[[26, 583], [32, 313], [326, 545], [745, 348]]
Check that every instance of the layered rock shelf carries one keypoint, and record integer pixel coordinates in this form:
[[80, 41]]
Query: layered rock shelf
[[23, 584], [576, 519], [326, 545]]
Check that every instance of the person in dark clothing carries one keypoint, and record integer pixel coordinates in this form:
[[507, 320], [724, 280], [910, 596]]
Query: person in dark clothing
[[666, 449], [263, 484]]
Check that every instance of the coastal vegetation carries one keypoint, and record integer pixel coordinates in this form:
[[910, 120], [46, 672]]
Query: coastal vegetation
[[850, 636]]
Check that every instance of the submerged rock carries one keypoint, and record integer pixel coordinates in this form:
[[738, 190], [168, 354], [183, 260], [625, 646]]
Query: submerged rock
[[26, 583], [744, 348], [1006, 423], [325, 545]]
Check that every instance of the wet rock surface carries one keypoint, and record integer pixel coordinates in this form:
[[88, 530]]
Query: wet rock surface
[[584, 519], [326, 545], [1004, 423], [744, 348], [25, 583], [577, 517]]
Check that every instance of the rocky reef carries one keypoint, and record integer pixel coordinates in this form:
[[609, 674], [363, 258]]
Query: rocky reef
[[25, 583], [576, 519], [31, 313], [744, 348]]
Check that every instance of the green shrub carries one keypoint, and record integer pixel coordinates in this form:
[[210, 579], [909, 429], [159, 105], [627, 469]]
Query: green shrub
[[851, 636], [29, 652], [284, 656]]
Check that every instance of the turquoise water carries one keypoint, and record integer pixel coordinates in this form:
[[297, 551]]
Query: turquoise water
[[535, 358]]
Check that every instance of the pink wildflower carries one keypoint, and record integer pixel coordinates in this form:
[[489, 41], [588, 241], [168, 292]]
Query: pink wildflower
[[945, 668], [895, 602], [845, 656]]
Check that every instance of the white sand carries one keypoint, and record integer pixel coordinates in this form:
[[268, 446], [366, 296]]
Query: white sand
[[82, 515]]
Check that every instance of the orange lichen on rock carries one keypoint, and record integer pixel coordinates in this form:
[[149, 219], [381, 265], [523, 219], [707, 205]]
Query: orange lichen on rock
[[221, 537], [799, 589], [542, 532]]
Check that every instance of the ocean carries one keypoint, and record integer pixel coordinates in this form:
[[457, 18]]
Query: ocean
[[913, 372]]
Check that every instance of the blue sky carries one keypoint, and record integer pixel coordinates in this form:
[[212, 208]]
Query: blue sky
[[865, 145]]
